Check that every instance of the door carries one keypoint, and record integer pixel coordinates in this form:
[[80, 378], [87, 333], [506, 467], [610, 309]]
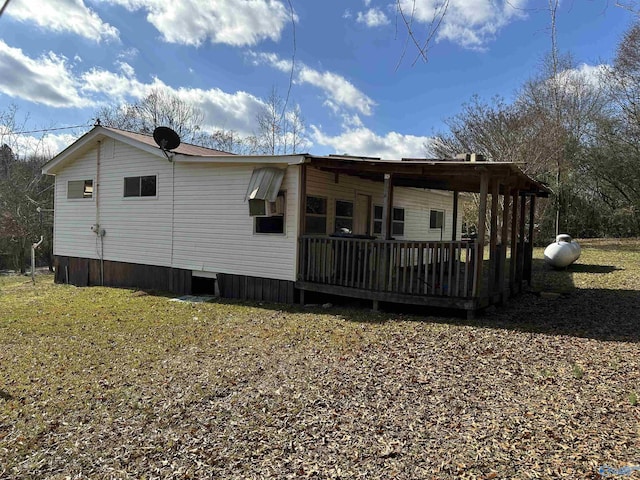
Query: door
[[362, 214]]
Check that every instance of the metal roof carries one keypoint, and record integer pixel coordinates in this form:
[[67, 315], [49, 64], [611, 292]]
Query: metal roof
[[183, 148], [436, 174]]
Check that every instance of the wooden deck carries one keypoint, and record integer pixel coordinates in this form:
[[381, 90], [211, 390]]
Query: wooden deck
[[417, 272]]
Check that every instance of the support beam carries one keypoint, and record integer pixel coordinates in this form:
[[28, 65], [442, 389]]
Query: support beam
[[520, 253], [454, 227], [504, 241], [493, 238], [528, 261], [514, 241], [387, 206], [482, 215]]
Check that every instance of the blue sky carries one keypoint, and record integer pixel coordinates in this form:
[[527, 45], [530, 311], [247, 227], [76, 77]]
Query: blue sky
[[61, 60]]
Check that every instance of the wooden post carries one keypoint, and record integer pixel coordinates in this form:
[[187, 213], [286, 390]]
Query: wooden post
[[528, 261], [387, 211], [493, 237], [454, 227], [504, 240], [520, 253], [302, 213], [514, 241], [387, 206], [482, 214]]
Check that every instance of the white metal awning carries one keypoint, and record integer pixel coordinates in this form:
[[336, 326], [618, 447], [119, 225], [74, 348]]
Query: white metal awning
[[265, 184]]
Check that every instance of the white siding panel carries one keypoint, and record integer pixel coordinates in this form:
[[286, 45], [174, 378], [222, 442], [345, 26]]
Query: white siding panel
[[416, 202], [72, 235], [138, 230], [213, 231]]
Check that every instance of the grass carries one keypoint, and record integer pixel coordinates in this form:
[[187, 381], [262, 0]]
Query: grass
[[114, 383]]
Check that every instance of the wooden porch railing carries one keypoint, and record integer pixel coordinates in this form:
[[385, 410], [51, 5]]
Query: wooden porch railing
[[415, 268]]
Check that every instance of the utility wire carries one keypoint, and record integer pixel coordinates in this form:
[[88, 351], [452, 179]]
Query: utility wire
[[45, 130]]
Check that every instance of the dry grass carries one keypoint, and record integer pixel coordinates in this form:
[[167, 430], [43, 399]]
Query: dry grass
[[112, 383]]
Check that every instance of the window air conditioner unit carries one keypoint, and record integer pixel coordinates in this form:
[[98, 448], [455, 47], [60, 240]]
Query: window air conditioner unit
[[265, 208]]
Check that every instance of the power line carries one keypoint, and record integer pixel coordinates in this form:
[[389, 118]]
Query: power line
[[45, 130]]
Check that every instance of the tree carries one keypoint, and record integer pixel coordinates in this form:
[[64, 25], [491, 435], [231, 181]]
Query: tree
[[158, 108], [280, 131]]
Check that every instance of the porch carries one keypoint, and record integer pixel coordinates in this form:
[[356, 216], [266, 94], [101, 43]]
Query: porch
[[460, 274]]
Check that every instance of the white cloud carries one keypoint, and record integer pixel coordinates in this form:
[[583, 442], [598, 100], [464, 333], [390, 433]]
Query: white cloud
[[374, 17], [338, 90], [232, 111], [232, 22], [71, 16], [362, 141], [47, 80], [469, 23]]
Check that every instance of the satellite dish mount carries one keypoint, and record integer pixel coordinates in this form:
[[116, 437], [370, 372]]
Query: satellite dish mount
[[167, 140]]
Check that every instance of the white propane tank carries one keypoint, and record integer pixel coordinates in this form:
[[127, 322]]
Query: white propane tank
[[563, 252]]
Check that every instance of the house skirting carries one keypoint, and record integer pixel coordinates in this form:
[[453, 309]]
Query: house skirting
[[84, 272], [244, 287]]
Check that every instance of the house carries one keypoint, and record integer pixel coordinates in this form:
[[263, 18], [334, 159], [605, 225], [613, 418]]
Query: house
[[273, 227]]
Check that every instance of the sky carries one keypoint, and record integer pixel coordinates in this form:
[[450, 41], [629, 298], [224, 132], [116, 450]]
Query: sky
[[357, 78]]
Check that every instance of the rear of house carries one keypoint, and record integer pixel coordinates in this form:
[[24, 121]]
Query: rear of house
[[126, 215]]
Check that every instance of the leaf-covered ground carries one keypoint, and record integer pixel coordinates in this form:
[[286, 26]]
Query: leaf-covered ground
[[112, 383]]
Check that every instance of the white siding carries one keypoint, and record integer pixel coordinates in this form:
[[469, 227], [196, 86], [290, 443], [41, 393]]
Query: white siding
[[138, 230], [72, 235], [416, 202], [213, 231]]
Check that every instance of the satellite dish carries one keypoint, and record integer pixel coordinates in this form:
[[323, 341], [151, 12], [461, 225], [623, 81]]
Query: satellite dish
[[166, 138]]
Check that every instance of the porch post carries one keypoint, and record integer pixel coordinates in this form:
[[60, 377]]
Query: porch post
[[514, 239], [493, 238], [529, 257], [521, 253], [302, 209], [504, 241], [454, 227], [387, 204], [482, 214]]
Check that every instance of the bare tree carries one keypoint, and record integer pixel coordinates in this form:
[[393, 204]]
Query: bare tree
[[158, 108], [280, 131]]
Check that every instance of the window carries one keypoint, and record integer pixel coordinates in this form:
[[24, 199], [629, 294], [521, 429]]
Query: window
[[397, 221], [436, 219], [140, 186], [80, 189], [344, 216], [377, 220], [315, 215], [273, 223]]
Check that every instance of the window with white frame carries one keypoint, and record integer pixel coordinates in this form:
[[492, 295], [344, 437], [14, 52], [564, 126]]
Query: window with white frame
[[144, 186], [272, 223], [315, 222], [436, 219], [397, 220], [79, 189]]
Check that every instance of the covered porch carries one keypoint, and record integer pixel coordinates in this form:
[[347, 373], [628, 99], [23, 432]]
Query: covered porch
[[452, 273]]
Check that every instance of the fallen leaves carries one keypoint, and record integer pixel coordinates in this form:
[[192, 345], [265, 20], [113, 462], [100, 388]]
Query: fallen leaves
[[157, 389]]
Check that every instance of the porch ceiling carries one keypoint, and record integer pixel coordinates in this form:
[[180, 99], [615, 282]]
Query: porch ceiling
[[433, 174]]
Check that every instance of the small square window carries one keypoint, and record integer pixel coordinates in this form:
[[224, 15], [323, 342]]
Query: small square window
[[436, 219], [268, 224], [140, 186], [79, 189]]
